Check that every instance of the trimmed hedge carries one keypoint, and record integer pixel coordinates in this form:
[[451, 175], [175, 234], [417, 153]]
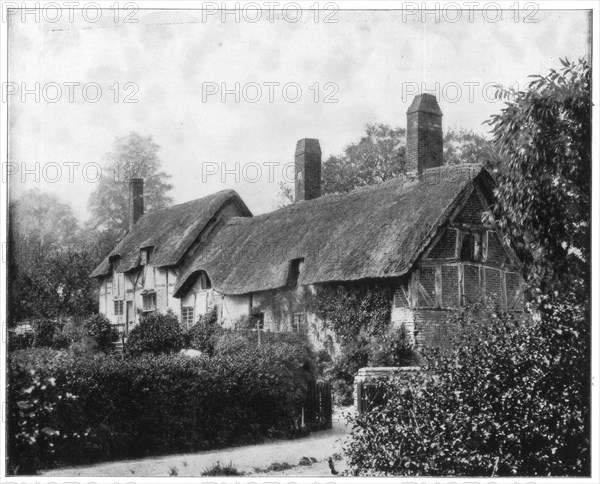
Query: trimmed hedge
[[66, 410]]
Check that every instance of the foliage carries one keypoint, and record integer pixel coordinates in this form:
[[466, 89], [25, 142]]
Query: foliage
[[100, 329], [233, 342], [48, 259], [34, 408], [392, 348], [47, 334], [132, 156], [358, 314], [500, 405], [220, 470], [544, 191], [137, 406], [20, 341], [380, 155], [156, 333], [350, 309], [204, 334]]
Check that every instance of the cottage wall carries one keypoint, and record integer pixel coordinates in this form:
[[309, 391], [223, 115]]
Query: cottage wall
[[122, 295], [466, 263]]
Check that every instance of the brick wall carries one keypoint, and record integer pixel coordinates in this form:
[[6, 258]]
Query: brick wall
[[450, 292], [445, 248], [472, 284], [427, 280], [493, 285], [496, 252], [471, 211]]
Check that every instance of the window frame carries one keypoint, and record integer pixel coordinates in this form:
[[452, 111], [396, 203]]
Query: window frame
[[296, 325], [185, 315], [118, 303], [151, 295]]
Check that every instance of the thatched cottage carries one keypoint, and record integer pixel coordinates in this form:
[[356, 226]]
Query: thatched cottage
[[423, 233]]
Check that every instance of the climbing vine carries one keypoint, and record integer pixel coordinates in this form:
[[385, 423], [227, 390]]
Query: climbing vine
[[351, 310]]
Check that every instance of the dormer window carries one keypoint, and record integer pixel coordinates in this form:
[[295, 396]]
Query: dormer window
[[205, 281], [295, 270], [145, 255]]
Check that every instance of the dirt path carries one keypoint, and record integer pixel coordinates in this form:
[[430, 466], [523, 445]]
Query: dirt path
[[251, 459]]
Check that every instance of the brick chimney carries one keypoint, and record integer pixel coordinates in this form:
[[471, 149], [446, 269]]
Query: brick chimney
[[308, 169], [424, 138], [136, 200]]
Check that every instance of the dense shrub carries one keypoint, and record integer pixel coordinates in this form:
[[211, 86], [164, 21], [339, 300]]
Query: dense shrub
[[510, 400], [47, 334], [102, 332], [127, 407], [20, 341], [156, 333], [233, 342], [204, 334], [392, 348]]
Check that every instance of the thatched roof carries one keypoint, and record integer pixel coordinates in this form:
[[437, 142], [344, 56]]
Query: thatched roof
[[372, 232], [169, 231]]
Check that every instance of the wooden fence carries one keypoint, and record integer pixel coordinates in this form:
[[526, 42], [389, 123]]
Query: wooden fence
[[318, 407]]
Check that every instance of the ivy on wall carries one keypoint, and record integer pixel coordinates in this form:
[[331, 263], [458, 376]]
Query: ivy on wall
[[351, 310]]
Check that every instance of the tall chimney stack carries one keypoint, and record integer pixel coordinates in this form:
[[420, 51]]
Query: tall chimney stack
[[136, 200], [424, 138], [308, 169]]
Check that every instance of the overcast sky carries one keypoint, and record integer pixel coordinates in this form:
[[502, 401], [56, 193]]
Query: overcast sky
[[371, 63]]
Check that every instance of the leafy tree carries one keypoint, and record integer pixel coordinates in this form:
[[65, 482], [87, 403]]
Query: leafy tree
[[132, 156], [40, 222], [48, 264], [544, 192], [380, 155]]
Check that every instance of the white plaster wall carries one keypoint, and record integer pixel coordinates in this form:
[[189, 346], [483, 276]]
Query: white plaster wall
[[232, 308]]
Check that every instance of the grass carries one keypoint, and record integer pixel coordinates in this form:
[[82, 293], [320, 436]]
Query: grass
[[220, 470]]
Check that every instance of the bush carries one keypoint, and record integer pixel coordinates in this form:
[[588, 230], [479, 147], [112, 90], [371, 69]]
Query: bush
[[392, 349], [511, 400], [103, 406], [233, 342], [102, 332], [156, 333], [20, 341], [47, 334], [204, 334]]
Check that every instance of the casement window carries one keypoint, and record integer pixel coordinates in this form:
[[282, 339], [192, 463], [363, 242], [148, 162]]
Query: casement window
[[149, 301], [299, 323], [118, 307], [187, 316]]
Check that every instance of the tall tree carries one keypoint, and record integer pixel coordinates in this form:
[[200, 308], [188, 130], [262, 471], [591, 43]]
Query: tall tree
[[380, 156], [544, 192], [49, 263], [132, 156]]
